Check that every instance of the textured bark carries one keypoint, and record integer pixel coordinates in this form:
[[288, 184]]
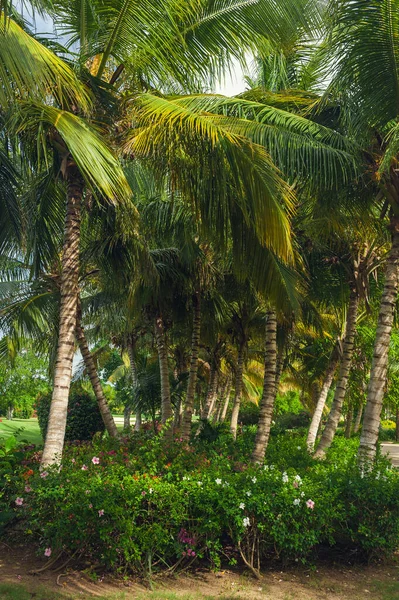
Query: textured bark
[[318, 413], [342, 383], [211, 395], [237, 392], [226, 401], [127, 413], [133, 375], [358, 419], [95, 382], [349, 422], [269, 390], [166, 405], [192, 377], [69, 285], [379, 366]]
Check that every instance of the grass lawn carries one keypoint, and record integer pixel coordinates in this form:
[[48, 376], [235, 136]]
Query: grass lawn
[[31, 432]]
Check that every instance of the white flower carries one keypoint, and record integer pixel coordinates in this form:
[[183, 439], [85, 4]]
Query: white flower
[[298, 448], [362, 474], [302, 494], [297, 502], [254, 480], [285, 477], [242, 505], [298, 478], [218, 481], [150, 490], [246, 522], [378, 475], [248, 494], [266, 468], [199, 482], [271, 467], [185, 478]]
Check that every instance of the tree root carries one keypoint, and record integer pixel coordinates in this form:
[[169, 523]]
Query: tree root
[[47, 565], [248, 564]]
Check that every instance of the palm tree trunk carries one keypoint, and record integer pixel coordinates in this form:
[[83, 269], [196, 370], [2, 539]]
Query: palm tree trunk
[[95, 382], [226, 401], [166, 405], [397, 426], [134, 378], [349, 421], [237, 392], [378, 374], [69, 284], [318, 413], [358, 419], [342, 384], [221, 396], [269, 390], [279, 366], [211, 395], [192, 377]]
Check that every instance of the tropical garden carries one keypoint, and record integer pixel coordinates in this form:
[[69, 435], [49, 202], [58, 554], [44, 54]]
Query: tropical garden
[[198, 292]]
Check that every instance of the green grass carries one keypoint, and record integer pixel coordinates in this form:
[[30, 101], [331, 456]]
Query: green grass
[[11, 591], [387, 590], [31, 432]]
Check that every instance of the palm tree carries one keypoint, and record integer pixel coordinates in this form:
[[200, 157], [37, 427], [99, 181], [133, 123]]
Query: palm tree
[[363, 47]]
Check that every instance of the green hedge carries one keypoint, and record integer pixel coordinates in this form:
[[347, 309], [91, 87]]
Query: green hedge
[[83, 420]]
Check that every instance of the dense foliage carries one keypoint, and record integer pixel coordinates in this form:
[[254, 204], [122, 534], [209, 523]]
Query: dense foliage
[[83, 420], [149, 504]]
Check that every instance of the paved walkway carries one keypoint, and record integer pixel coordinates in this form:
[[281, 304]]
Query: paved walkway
[[391, 450]]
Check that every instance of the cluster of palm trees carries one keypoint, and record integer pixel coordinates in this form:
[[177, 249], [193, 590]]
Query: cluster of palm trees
[[218, 232]]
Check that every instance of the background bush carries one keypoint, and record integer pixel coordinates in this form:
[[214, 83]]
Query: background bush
[[83, 420]]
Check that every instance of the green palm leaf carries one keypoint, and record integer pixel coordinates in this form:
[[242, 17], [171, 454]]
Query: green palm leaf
[[28, 69], [98, 166], [215, 166]]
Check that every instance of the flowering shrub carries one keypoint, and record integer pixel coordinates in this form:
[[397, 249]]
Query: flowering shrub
[[144, 503]]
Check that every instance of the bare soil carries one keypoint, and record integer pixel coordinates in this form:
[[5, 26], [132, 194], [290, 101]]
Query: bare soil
[[332, 582]]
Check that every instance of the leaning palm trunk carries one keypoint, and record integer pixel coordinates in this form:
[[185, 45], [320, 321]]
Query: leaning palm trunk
[[237, 392], [192, 377], [133, 374], [378, 374], [166, 405], [211, 395], [349, 421], [269, 390], [95, 382], [318, 413], [358, 419], [342, 384], [54, 442], [226, 401]]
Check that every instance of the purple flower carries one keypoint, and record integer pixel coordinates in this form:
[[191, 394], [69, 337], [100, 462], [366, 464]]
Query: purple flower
[[95, 460], [101, 513], [47, 552], [19, 501]]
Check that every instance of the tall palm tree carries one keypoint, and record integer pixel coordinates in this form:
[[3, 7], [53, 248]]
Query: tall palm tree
[[363, 46]]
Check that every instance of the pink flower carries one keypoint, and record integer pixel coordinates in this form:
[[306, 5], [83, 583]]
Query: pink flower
[[47, 552], [310, 504], [19, 501], [295, 484], [43, 475], [84, 468], [143, 493], [28, 489], [90, 506], [95, 460], [73, 460], [101, 513]]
